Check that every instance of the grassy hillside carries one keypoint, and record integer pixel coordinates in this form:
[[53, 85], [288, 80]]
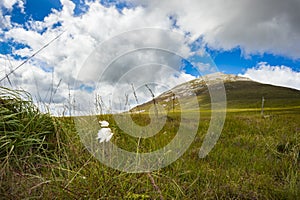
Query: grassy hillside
[[245, 95], [42, 157]]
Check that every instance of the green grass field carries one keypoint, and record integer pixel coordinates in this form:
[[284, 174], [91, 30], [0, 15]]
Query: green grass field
[[255, 157]]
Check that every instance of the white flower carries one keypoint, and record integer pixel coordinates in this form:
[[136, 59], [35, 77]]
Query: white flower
[[104, 134], [104, 123]]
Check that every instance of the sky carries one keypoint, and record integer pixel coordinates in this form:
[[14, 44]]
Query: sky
[[252, 38]]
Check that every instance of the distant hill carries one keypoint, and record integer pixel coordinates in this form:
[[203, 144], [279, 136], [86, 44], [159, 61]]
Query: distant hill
[[241, 93]]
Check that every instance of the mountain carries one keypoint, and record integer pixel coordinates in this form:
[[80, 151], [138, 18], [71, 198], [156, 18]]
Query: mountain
[[241, 93]]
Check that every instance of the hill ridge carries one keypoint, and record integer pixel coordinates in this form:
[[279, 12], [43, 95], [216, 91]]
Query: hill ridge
[[241, 92]]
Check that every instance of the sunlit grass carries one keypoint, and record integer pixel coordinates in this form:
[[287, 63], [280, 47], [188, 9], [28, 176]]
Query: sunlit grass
[[43, 158]]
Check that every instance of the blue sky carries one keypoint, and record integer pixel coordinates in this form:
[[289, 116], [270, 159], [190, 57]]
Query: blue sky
[[233, 61], [259, 40]]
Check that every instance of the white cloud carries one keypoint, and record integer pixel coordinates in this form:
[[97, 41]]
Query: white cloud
[[254, 25], [82, 34], [8, 4], [275, 75]]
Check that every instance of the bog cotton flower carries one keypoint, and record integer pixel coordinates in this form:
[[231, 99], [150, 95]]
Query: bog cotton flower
[[104, 123], [104, 134]]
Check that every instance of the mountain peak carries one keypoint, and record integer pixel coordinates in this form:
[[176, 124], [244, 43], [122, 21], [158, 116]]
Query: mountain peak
[[225, 77], [188, 88]]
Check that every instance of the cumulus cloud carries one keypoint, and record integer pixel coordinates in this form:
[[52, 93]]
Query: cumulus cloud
[[254, 25], [64, 61], [145, 56], [8, 5], [275, 75]]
